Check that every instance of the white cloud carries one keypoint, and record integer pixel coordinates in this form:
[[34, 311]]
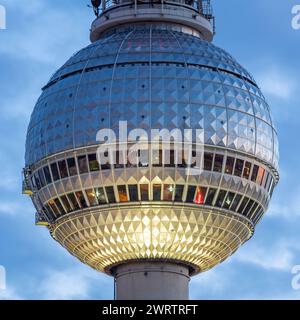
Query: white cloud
[[41, 30], [40, 34], [74, 283], [32, 6], [8, 182], [23, 103], [269, 259], [289, 210], [277, 257], [9, 208], [15, 207], [9, 294], [275, 82], [289, 295], [215, 281]]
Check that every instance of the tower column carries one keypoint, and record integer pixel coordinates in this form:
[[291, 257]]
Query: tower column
[[152, 281]]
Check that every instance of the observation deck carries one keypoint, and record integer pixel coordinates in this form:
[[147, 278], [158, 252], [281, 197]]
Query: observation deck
[[192, 16]]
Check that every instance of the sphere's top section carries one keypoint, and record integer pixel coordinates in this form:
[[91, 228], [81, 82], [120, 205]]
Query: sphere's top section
[[193, 16], [152, 77]]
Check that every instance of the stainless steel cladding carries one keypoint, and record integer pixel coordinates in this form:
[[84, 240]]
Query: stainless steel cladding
[[153, 75]]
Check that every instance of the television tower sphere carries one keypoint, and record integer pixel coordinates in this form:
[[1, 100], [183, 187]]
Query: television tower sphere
[[150, 223]]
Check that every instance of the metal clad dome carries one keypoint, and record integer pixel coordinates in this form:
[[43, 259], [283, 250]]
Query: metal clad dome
[[162, 73], [110, 80]]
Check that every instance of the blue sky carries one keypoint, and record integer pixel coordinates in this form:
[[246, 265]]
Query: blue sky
[[41, 35]]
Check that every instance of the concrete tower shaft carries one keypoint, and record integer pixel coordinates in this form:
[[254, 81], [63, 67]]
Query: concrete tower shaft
[[152, 281]]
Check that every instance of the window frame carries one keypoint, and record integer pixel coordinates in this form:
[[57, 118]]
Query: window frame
[[131, 192], [83, 165], [72, 167], [63, 169], [55, 173], [47, 174], [238, 170], [218, 165], [93, 161], [207, 160]]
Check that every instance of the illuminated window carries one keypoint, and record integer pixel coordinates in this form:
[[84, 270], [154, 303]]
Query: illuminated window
[[218, 165], [208, 161], [63, 169], [81, 199], [168, 192], [229, 165], [100, 195], [93, 163], [91, 195], [190, 194], [247, 169], [220, 198], [73, 201], [47, 175], [72, 167], [179, 192], [238, 169], [228, 200], [123, 193], [200, 195], [156, 192], [210, 197], [133, 192], [110, 194], [144, 189], [254, 173], [236, 202], [260, 175], [82, 164], [66, 203], [54, 170]]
